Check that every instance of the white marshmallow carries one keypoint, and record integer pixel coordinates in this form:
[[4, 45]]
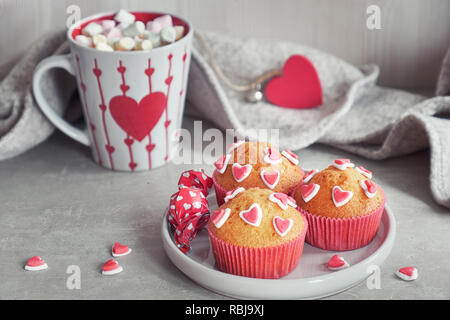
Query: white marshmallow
[[134, 29], [168, 34], [154, 26], [107, 25], [92, 29], [122, 26], [123, 16], [114, 33], [179, 31], [104, 47], [99, 38], [165, 21], [124, 44], [144, 45], [83, 41], [154, 38]]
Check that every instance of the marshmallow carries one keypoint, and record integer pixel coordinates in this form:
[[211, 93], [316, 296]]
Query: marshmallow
[[154, 26], [104, 47], [107, 25], [168, 34], [134, 29], [143, 45], [154, 38], [123, 16], [124, 44], [165, 21], [114, 33], [92, 29], [83, 41], [99, 38], [179, 31]]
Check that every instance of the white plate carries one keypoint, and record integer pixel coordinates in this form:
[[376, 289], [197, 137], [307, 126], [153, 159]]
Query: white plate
[[310, 279]]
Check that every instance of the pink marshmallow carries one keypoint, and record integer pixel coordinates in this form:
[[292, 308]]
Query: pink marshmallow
[[108, 25], [165, 21], [114, 33], [154, 26]]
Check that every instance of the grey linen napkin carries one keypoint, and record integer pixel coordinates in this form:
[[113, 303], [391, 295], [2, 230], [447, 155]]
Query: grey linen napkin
[[356, 115]]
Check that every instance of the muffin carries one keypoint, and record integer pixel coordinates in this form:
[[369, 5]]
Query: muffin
[[255, 164], [342, 204], [258, 233]]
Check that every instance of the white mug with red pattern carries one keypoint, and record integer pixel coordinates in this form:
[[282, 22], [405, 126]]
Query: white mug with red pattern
[[132, 101]]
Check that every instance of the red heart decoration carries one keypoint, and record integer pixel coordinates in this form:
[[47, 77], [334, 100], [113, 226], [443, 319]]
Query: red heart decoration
[[336, 262], [110, 265], [371, 187], [298, 87], [120, 248], [253, 215], [282, 197], [274, 154], [341, 197], [270, 178], [220, 216], [241, 172], [35, 261], [281, 225], [307, 189], [407, 271], [138, 119]]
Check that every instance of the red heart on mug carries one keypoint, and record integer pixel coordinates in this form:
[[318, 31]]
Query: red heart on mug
[[138, 119], [298, 87]]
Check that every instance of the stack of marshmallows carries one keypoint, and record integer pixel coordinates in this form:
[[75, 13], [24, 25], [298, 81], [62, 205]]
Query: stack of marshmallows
[[124, 33]]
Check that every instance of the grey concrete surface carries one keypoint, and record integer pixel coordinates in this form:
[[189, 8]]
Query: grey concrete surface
[[57, 203]]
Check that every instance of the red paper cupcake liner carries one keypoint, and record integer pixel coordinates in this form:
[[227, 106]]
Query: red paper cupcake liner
[[266, 263], [342, 234]]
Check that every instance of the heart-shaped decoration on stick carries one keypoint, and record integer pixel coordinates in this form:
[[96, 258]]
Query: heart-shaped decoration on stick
[[298, 87]]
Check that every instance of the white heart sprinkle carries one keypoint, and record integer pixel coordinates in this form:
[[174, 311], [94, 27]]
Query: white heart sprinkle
[[197, 205], [192, 193], [179, 198], [187, 206]]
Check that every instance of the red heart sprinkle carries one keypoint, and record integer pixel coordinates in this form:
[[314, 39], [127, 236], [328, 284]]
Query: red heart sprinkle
[[282, 225], [306, 189], [407, 271], [110, 265], [270, 177], [253, 215], [217, 216], [336, 262], [120, 248], [342, 161], [35, 261], [241, 172], [371, 186]]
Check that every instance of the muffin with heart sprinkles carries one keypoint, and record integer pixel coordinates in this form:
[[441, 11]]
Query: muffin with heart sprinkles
[[342, 204], [258, 233], [255, 164]]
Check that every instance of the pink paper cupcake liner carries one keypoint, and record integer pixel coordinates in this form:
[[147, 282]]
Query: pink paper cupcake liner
[[267, 263], [220, 191], [342, 234]]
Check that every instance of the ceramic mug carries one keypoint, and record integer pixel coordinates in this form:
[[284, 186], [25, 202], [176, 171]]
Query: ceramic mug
[[132, 101]]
